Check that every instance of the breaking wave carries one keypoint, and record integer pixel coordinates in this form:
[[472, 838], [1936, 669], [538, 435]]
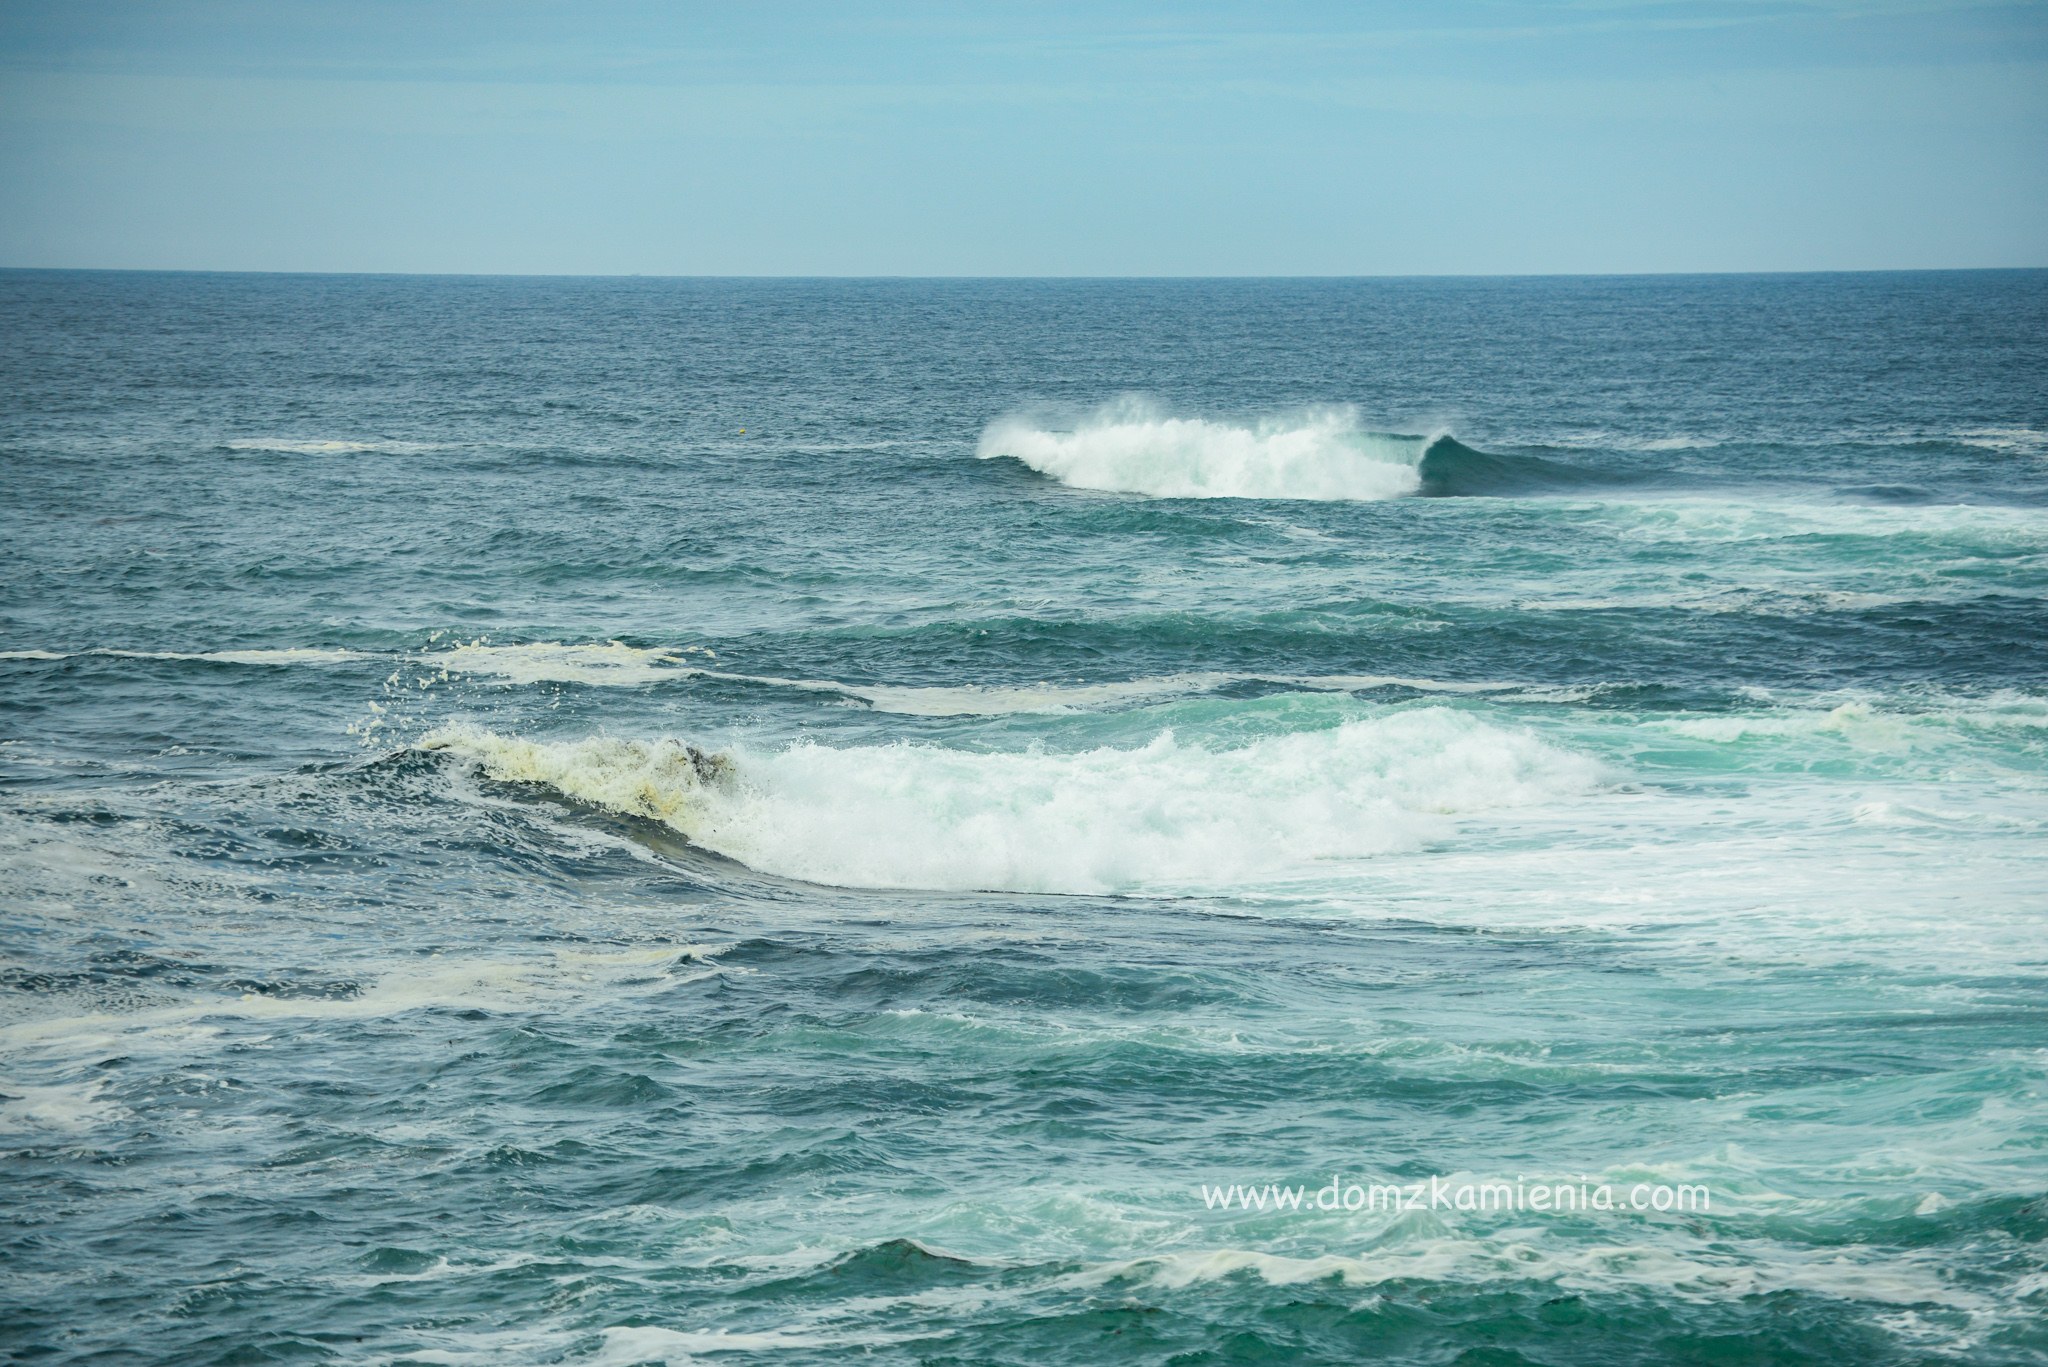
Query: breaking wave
[[1166, 816], [1132, 447]]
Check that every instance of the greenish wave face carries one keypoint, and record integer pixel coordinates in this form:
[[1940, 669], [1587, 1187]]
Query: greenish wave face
[[502, 865]]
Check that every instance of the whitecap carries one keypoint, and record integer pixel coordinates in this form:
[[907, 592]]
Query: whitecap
[[1162, 817], [1131, 446]]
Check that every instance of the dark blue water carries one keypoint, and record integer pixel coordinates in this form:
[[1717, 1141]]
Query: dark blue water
[[606, 821]]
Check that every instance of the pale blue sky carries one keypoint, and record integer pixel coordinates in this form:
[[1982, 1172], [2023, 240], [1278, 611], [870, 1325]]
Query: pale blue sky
[[1039, 138]]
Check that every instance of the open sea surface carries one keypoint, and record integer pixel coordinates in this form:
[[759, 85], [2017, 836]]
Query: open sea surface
[[615, 821]]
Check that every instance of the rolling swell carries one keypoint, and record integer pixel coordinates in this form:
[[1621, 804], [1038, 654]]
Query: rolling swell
[[1451, 469]]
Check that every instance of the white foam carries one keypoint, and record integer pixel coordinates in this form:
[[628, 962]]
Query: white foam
[[1720, 600], [285, 656], [1163, 817], [637, 1344], [991, 700], [65, 1108], [2019, 440], [1131, 447], [995, 700], [614, 664], [611, 663], [1616, 441], [481, 984], [296, 655], [299, 447], [1852, 720], [1765, 519], [1864, 723], [1687, 1271]]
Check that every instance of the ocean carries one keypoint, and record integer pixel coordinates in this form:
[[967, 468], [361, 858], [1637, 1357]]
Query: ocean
[[605, 821]]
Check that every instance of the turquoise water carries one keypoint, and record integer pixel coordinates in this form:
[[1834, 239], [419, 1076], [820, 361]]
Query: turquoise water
[[623, 821]]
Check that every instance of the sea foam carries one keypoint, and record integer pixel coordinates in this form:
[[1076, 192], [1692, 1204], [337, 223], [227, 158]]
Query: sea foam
[[1163, 817]]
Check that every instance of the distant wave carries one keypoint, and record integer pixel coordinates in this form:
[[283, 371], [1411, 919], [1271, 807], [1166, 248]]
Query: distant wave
[[995, 700], [615, 664], [1130, 446], [1166, 816], [2028, 441], [284, 656], [297, 446]]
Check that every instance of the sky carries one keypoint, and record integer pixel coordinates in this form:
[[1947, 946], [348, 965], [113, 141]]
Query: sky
[[984, 137]]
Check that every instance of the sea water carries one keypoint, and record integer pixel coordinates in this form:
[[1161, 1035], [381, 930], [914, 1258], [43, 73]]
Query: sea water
[[609, 821]]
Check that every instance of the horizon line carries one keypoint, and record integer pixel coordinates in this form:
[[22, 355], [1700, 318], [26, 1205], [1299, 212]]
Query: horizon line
[[962, 276]]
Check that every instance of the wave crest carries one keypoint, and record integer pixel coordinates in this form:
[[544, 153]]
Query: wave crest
[[1166, 816], [1131, 447]]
